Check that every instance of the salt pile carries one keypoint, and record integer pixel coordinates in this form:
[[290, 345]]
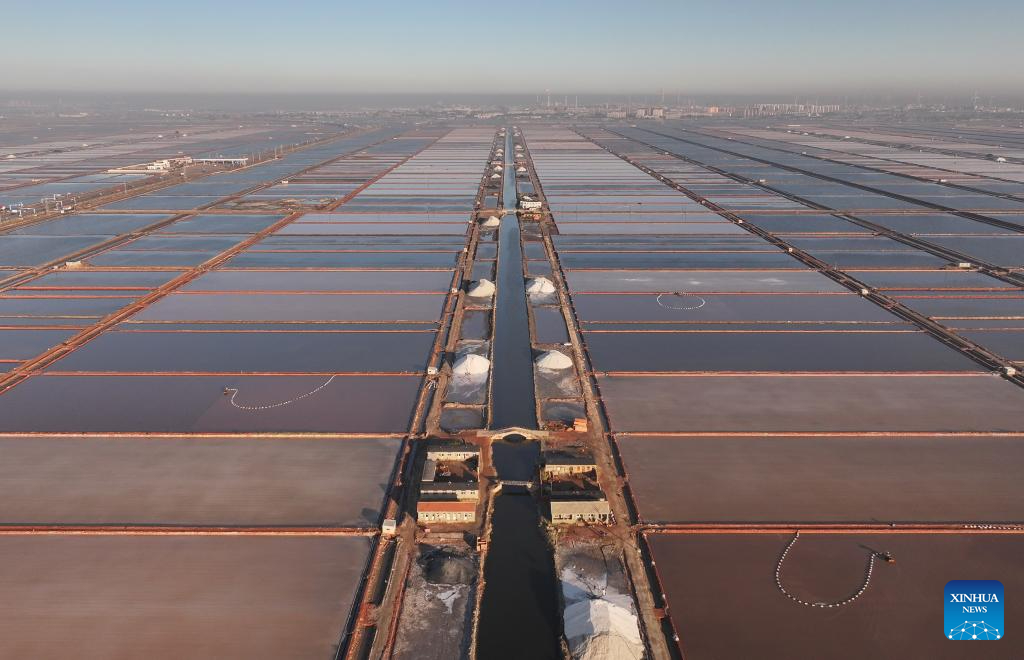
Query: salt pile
[[599, 622], [540, 285], [481, 289], [553, 361], [471, 365]]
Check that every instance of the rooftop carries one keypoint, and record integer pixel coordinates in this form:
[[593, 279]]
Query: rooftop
[[445, 505]]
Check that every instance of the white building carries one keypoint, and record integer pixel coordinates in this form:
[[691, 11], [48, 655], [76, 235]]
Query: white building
[[564, 512]]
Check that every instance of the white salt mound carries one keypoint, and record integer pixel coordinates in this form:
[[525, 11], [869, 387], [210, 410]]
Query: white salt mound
[[553, 360], [600, 629], [481, 289], [600, 623], [540, 285], [471, 365]]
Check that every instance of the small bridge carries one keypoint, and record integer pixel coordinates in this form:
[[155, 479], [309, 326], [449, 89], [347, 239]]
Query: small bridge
[[515, 486], [522, 484]]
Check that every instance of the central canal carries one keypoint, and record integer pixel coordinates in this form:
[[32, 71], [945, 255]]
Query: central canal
[[519, 615]]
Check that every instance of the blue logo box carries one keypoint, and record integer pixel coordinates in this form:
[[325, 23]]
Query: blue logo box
[[974, 610]]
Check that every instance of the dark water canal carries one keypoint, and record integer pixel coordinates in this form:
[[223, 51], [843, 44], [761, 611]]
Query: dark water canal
[[519, 617], [512, 393]]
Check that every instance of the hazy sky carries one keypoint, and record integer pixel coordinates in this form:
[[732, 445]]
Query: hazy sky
[[333, 46]]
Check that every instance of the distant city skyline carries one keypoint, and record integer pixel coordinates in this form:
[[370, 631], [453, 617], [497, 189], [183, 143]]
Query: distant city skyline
[[794, 47]]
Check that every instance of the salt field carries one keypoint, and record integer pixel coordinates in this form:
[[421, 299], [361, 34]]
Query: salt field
[[381, 380]]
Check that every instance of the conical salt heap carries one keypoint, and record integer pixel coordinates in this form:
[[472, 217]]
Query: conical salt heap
[[553, 361], [481, 289]]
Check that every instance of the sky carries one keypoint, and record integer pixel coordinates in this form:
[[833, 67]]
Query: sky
[[785, 47]]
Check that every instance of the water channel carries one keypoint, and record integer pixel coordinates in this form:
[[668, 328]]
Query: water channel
[[512, 393], [519, 611]]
